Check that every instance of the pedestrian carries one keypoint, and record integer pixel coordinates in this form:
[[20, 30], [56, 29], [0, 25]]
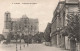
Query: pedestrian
[[24, 45], [27, 43]]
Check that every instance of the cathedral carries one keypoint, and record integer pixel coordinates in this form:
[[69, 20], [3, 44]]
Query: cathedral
[[22, 25]]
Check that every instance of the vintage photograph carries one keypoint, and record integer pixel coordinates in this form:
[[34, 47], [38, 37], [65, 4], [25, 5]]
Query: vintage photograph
[[39, 25]]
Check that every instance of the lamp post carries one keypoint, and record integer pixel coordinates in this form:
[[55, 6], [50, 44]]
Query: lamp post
[[16, 43], [16, 40], [20, 41]]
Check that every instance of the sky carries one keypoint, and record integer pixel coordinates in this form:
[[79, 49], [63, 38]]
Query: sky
[[42, 10]]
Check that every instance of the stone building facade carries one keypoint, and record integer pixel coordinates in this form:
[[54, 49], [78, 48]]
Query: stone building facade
[[59, 22], [22, 25]]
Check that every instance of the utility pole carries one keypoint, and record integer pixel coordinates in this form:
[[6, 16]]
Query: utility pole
[[16, 40], [20, 32]]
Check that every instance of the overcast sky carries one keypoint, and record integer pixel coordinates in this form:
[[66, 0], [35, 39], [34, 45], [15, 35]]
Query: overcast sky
[[43, 10]]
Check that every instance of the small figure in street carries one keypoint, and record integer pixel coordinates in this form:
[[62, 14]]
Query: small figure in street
[[24, 45], [27, 43]]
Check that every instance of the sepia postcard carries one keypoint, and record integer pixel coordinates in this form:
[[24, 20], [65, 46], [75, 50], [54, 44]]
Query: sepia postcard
[[39, 25]]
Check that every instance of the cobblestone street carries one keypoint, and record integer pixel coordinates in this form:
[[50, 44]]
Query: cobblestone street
[[31, 47]]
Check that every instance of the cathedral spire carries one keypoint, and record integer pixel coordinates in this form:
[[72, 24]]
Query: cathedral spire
[[7, 16]]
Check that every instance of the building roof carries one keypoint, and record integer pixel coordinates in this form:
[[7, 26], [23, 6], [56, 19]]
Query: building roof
[[24, 16], [33, 20], [15, 19], [59, 7], [72, 1]]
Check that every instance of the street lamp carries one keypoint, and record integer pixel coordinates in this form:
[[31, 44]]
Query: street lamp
[[20, 37], [20, 41], [16, 40]]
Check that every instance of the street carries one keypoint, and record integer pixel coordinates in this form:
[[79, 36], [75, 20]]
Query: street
[[31, 47]]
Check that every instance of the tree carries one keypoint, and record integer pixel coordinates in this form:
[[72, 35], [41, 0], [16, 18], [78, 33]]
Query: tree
[[1, 37], [41, 36], [73, 26], [17, 36], [36, 38], [26, 39], [22, 36], [30, 38], [8, 38], [73, 30]]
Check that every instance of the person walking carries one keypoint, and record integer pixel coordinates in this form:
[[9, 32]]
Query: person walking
[[27, 43]]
